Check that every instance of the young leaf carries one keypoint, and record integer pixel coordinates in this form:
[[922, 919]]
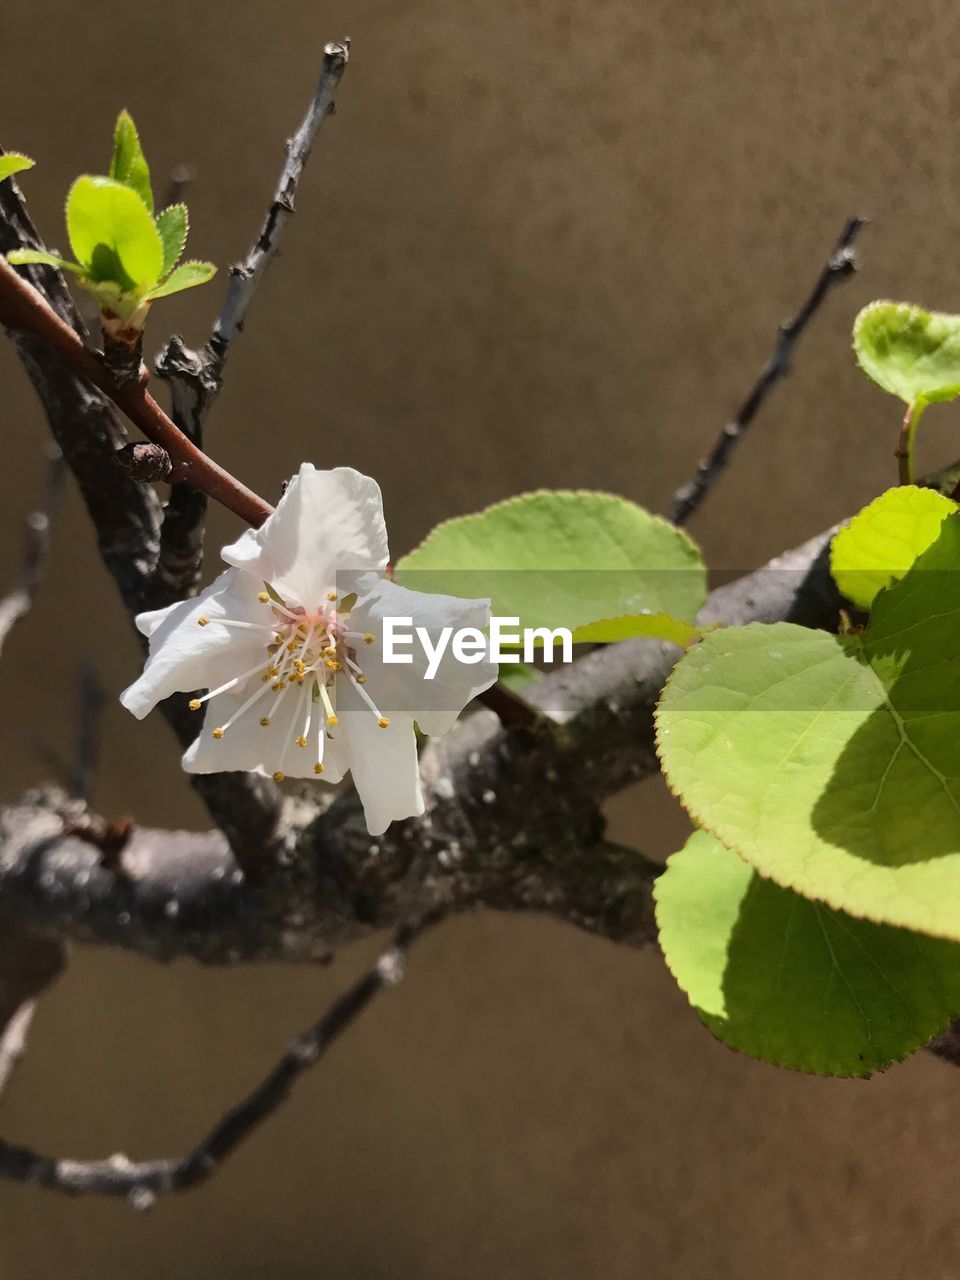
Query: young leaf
[[881, 543], [29, 257], [172, 223], [832, 765], [793, 982], [14, 162], [128, 163], [912, 353], [112, 235], [186, 276], [563, 559]]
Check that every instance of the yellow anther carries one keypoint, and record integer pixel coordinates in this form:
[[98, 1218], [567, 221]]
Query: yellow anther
[[265, 678], [383, 723], [333, 665], [194, 704], [301, 741], [277, 637], [279, 776], [263, 597], [330, 650], [331, 595], [273, 671], [332, 721], [318, 768], [218, 734], [369, 638], [361, 678], [202, 622], [264, 722]]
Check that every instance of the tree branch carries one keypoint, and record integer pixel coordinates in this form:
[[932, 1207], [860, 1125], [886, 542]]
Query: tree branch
[[26, 311], [141, 1183], [841, 264]]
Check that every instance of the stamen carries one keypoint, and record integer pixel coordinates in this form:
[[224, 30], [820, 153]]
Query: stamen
[[264, 722], [218, 734], [382, 720], [194, 704], [331, 595], [279, 776], [202, 621], [230, 684], [328, 706], [263, 597], [318, 768]]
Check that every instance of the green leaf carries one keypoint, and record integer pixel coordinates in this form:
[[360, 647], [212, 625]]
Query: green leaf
[[186, 276], [112, 235], [128, 164], [912, 353], [791, 981], [172, 223], [832, 765], [31, 257], [14, 162], [563, 559], [658, 625], [881, 543]]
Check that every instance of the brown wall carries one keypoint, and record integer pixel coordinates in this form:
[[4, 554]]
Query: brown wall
[[541, 244]]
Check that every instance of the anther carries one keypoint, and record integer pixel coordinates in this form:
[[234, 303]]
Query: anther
[[218, 734], [383, 723], [333, 665], [194, 704], [332, 721], [264, 722], [202, 622], [360, 678], [301, 741], [331, 595], [263, 597], [279, 776], [318, 768], [369, 638]]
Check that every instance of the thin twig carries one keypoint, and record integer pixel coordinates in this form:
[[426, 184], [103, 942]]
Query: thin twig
[[141, 1183], [24, 308], [196, 377], [245, 276], [841, 264], [17, 604]]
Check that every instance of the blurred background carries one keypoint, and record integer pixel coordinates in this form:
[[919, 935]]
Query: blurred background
[[540, 245]]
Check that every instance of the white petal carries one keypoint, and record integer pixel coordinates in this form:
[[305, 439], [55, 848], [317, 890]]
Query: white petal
[[327, 521], [186, 656], [248, 747], [383, 762], [404, 688]]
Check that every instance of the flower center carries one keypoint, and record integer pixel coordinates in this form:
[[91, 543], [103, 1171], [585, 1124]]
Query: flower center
[[305, 653]]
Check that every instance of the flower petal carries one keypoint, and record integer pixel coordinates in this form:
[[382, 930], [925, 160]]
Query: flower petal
[[325, 522], [185, 655], [248, 747], [383, 762], [404, 688]]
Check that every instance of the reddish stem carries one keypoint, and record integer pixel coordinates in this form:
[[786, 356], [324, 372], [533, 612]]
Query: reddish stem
[[23, 307]]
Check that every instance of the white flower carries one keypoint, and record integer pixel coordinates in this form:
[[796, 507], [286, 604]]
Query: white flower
[[288, 643]]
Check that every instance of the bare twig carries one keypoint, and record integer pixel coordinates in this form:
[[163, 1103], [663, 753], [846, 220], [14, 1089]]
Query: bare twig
[[142, 1183], [17, 604], [196, 377], [245, 276], [25, 309], [841, 264]]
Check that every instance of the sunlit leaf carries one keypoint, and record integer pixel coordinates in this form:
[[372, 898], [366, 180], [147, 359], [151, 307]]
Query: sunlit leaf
[[187, 276], [912, 353], [172, 223], [128, 164], [794, 982], [111, 233], [881, 543], [14, 162]]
